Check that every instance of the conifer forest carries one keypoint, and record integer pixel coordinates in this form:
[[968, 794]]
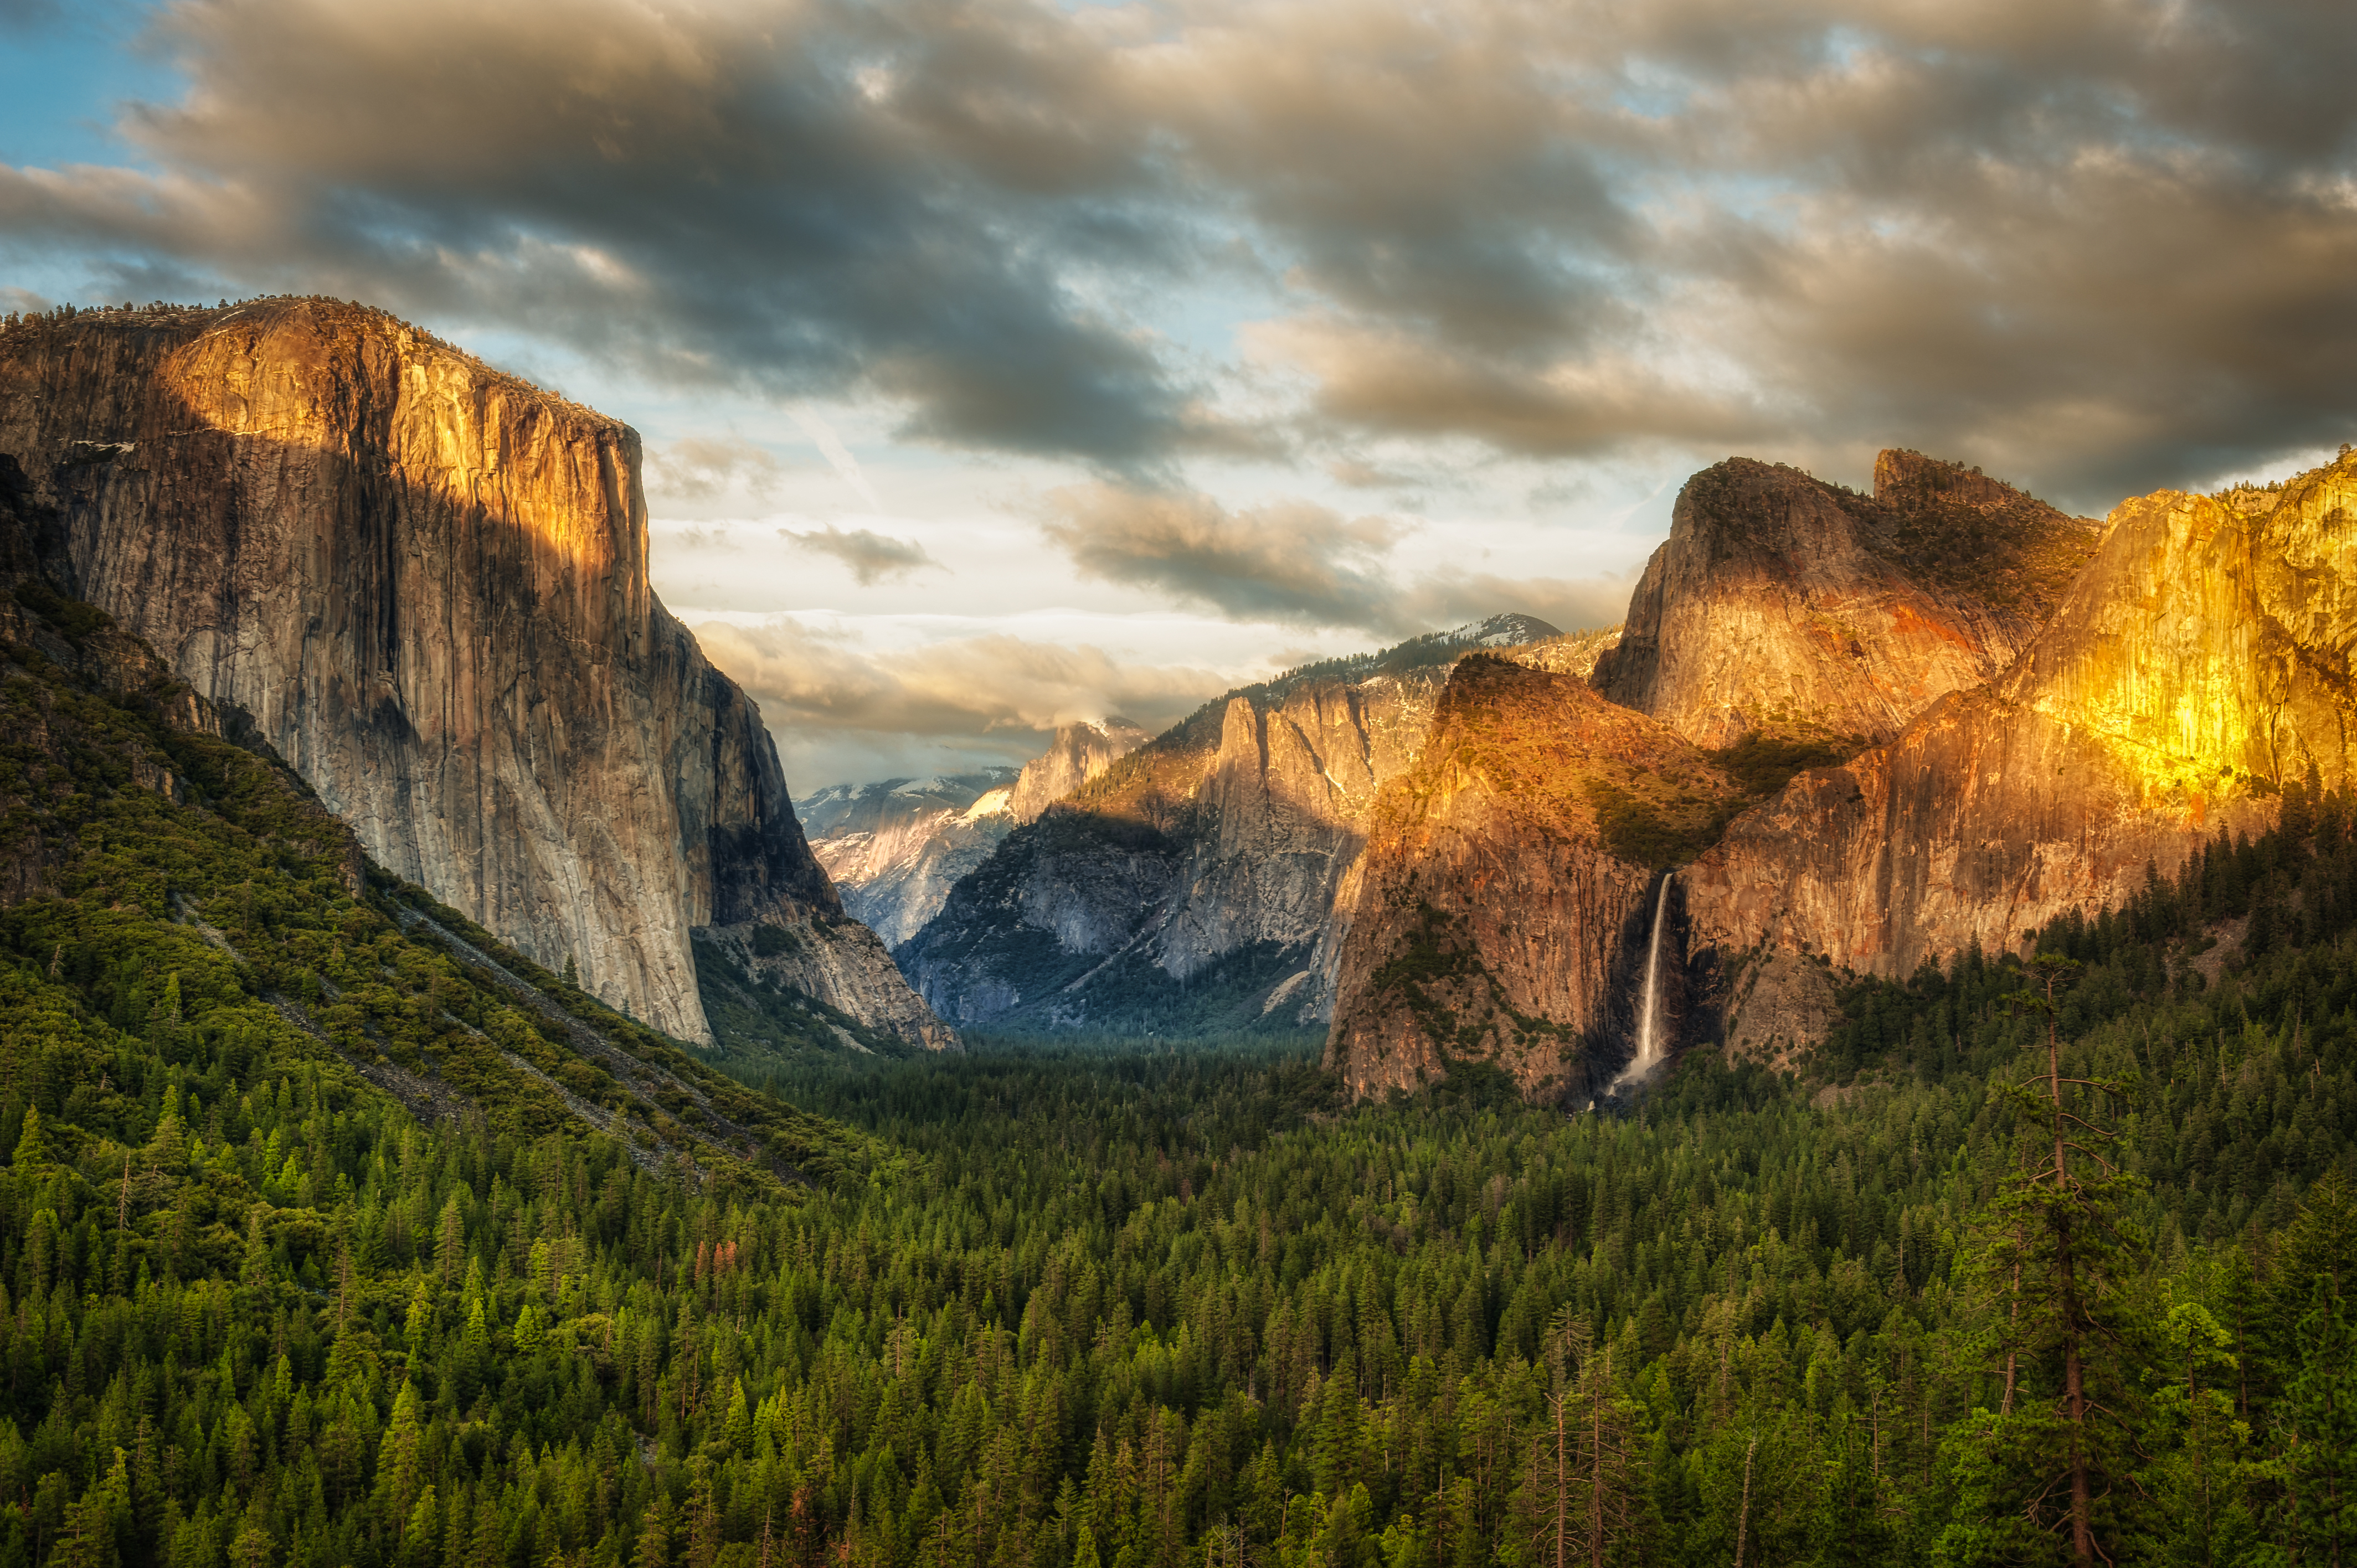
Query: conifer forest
[[2030, 1260]]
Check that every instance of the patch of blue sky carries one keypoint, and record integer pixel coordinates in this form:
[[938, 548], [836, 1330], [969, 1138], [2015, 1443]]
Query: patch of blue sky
[[1652, 90], [65, 74]]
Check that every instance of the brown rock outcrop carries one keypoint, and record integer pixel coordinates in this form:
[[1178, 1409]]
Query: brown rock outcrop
[[427, 583], [2200, 660], [1783, 604], [1489, 916]]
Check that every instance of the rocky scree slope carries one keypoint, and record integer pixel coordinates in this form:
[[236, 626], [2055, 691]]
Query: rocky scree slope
[[171, 886], [1187, 887], [426, 581]]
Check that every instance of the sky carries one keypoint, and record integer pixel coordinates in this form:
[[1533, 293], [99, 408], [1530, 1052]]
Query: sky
[[1004, 364]]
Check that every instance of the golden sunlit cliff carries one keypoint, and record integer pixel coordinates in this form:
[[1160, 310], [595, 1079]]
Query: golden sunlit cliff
[[426, 581]]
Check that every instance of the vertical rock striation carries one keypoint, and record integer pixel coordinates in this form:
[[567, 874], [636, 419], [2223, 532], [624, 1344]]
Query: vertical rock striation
[[426, 582], [1193, 883], [1783, 604], [2200, 661], [1079, 753], [1493, 918]]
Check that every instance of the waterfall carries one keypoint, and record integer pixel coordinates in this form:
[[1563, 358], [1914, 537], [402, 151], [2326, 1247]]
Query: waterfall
[[1649, 1048]]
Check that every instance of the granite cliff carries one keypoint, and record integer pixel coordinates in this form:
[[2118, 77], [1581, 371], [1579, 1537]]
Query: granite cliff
[[158, 850], [1814, 640], [1783, 604], [1944, 714], [1503, 908], [1190, 884], [2199, 663], [426, 582], [896, 848], [1079, 753]]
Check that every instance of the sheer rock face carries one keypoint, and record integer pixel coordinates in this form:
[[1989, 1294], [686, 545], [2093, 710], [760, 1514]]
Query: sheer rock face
[[1488, 917], [2199, 663], [427, 583], [1224, 839], [1079, 753], [1783, 604], [894, 850]]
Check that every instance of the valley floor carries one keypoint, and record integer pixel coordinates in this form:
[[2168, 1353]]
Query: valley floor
[[1084, 1306]]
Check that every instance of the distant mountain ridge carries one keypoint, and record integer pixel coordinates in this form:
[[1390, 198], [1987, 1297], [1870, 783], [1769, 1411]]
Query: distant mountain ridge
[[895, 848], [1189, 887]]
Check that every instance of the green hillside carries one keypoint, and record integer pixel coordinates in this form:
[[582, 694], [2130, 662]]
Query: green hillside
[[332, 1233]]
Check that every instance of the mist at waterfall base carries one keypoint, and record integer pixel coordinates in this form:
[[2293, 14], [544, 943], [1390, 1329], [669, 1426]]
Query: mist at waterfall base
[[1649, 1052]]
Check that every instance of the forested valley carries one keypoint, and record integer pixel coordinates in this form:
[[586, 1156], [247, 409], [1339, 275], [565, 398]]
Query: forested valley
[[269, 1295]]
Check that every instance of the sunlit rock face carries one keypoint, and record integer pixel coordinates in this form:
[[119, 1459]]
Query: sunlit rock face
[[427, 583], [1490, 917], [1080, 752], [1783, 604], [894, 849], [1199, 874], [2083, 705], [2199, 663]]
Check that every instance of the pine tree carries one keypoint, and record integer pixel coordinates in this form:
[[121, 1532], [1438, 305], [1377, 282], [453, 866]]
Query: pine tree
[[2322, 1400], [2059, 1227]]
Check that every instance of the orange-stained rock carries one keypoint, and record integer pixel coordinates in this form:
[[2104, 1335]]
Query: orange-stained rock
[[1489, 917], [426, 581], [2197, 663], [1783, 604]]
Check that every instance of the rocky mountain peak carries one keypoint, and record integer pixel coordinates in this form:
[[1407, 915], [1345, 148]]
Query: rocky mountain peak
[[1785, 606], [426, 581], [1079, 753]]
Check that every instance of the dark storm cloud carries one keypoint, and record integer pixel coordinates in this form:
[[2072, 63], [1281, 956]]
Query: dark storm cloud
[[717, 196], [2090, 242]]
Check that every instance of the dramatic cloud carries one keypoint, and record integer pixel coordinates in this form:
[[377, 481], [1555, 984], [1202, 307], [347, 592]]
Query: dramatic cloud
[[872, 557], [2088, 244], [986, 699], [1295, 562]]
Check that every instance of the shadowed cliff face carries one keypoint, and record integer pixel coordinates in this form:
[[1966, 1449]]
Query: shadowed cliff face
[[426, 582], [2200, 661], [1786, 606], [1489, 918]]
